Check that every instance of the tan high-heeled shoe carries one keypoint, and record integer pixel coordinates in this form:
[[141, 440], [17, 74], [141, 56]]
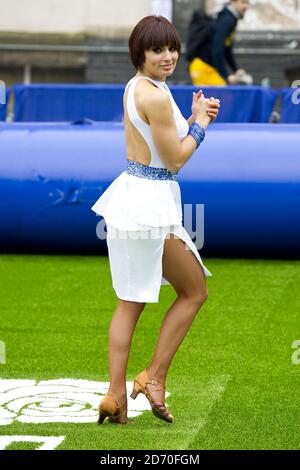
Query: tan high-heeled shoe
[[159, 408], [110, 407]]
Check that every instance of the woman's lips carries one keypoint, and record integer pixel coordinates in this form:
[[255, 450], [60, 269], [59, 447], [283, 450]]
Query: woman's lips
[[167, 66]]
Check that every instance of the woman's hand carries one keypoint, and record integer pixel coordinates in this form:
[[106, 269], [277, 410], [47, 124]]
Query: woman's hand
[[213, 108], [205, 110], [195, 107]]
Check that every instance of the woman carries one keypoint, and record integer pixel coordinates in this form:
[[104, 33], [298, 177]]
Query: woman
[[146, 241]]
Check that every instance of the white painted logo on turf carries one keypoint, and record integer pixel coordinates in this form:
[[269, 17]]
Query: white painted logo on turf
[[49, 442], [58, 400]]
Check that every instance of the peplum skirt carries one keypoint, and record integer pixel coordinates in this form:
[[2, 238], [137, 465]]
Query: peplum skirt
[[139, 214]]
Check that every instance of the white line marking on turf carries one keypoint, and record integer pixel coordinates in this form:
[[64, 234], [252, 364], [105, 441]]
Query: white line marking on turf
[[49, 442], [216, 389]]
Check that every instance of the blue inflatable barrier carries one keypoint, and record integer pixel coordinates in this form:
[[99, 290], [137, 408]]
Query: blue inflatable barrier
[[57, 103], [245, 176], [238, 103], [290, 105], [104, 102]]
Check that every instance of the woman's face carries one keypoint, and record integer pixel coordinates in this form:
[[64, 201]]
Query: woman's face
[[160, 62]]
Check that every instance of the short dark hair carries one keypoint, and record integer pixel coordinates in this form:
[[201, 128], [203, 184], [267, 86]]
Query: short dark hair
[[152, 31]]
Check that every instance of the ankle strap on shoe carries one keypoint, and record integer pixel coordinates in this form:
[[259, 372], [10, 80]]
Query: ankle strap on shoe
[[155, 382]]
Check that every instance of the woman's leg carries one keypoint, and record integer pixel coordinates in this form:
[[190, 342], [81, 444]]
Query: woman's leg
[[121, 331], [185, 274]]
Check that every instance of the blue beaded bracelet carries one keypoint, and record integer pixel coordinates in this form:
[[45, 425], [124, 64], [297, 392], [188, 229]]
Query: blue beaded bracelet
[[197, 132]]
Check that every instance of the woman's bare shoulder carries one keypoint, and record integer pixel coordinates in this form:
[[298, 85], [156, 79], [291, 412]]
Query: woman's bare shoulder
[[150, 95], [147, 88]]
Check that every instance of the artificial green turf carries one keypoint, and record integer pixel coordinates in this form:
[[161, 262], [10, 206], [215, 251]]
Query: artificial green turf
[[232, 383]]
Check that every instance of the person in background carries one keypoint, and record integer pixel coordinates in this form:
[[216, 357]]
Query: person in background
[[210, 59]]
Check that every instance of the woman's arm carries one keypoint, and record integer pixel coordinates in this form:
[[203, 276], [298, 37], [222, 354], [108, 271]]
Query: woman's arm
[[173, 151]]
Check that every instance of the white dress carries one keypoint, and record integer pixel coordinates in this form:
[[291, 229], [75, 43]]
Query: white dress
[[140, 212]]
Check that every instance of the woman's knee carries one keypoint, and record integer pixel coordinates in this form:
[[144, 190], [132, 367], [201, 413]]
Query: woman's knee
[[202, 296], [196, 290], [196, 297]]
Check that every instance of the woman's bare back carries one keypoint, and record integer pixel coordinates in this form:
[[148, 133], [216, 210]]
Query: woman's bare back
[[136, 147]]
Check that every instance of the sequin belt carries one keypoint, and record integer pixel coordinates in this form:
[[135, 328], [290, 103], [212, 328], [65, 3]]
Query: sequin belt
[[150, 172]]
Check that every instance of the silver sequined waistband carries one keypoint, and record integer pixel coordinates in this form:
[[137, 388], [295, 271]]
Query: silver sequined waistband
[[150, 172]]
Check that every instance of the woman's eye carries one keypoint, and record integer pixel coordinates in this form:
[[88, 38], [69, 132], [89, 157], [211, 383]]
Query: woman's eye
[[159, 49]]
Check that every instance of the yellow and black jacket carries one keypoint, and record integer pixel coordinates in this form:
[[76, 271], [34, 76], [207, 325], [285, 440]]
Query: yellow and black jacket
[[215, 45]]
